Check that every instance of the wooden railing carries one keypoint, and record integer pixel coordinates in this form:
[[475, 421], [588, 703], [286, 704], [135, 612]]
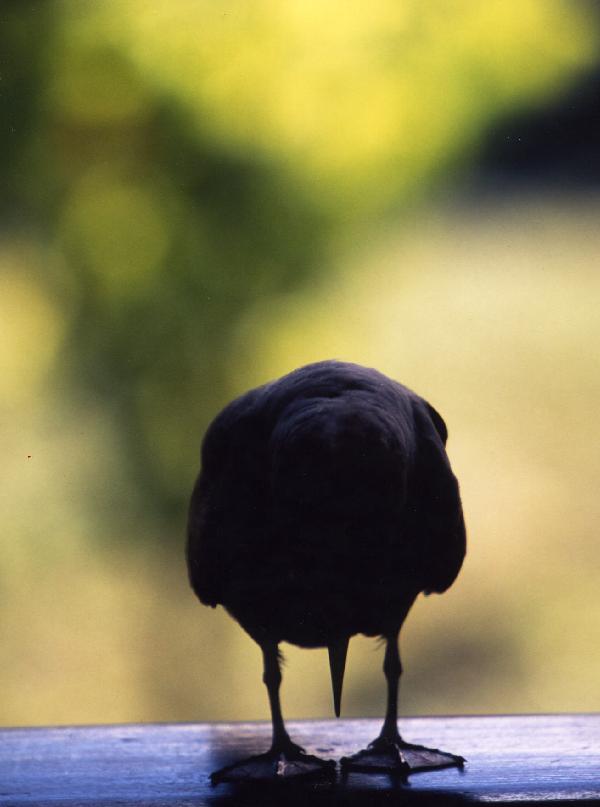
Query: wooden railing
[[525, 759]]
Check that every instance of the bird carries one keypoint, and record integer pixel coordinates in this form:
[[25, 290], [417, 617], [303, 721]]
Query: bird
[[325, 504]]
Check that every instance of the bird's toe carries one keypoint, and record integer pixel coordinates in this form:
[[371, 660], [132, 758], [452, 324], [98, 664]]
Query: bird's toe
[[421, 758], [275, 765], [382, 756], [399, 758], [303, 765]]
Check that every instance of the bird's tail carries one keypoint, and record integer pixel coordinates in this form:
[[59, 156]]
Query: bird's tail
[[337, 664]]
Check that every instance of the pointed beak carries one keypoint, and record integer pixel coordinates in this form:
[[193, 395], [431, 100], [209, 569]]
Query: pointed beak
[[337, 664]]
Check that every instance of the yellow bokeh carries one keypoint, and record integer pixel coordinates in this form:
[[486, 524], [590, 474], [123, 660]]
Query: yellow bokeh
[[359, 101], [31, 325], [121, 231]]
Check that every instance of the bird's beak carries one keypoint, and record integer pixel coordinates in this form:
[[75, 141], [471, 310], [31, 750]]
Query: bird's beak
[[337, 665]]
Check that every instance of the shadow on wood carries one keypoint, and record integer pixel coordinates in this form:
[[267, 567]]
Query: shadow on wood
[[296, 794]]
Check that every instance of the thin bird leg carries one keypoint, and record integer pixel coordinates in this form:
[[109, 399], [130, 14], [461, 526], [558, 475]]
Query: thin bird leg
[[385, 752], [272, 680], [392, 669], [285, 759], [389, 752], [416, 756]]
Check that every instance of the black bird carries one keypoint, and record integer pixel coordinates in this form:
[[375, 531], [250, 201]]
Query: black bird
[[325, 505]]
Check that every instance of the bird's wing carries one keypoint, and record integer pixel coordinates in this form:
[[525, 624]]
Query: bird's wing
[[436, 511], [202, 551], [226, 496]]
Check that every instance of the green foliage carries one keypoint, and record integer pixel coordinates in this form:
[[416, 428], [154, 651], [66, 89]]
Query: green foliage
[[182, 161]]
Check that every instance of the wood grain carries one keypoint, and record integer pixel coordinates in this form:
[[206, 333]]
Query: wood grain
[[525, 759]]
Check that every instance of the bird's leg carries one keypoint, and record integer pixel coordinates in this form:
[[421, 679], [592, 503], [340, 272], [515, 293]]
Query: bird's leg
[[272, 680], [392, 669], [389, 752], [384, 753], [285, 759]]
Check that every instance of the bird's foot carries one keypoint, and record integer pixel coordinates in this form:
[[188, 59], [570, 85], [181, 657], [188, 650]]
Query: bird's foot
[[280, 763], [394, 756], [381, 755]]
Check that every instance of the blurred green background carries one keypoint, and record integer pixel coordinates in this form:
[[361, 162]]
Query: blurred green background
[[198, 196]]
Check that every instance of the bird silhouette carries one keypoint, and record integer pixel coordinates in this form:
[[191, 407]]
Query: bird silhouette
[[325, 505]]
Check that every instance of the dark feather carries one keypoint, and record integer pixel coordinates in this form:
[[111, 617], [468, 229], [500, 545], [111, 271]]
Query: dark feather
[[325, 504]]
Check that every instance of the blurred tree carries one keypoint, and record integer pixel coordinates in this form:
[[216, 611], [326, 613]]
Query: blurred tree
[[184, 160]]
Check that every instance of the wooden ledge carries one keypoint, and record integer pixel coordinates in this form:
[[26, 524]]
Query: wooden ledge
[[525, 759]]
